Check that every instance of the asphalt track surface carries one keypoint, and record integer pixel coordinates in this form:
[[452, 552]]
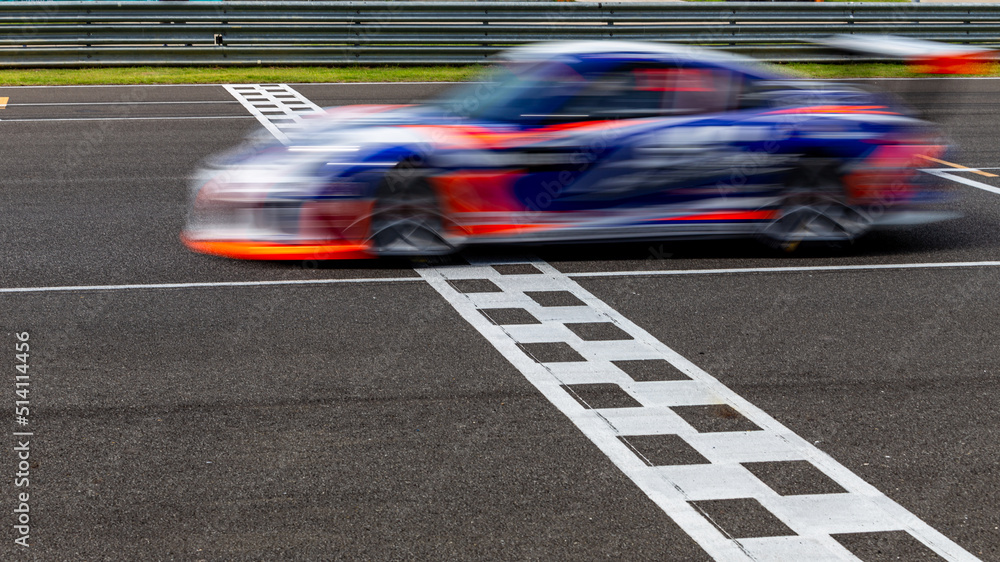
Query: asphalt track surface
[[368, 420]]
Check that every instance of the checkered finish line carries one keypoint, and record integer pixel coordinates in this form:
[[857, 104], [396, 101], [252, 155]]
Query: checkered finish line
[[277, 106], [730, 475]]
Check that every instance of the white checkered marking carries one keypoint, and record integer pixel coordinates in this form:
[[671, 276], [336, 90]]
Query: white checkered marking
[[813, 518], [277, 106]]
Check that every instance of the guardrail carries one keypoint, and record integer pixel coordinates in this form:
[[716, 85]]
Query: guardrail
[[75, 34]]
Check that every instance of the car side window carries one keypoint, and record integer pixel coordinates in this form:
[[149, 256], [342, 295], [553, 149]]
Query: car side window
[[704, 90], [615, 95], [645, 90]]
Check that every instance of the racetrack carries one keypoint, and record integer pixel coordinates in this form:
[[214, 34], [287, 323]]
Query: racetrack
[[191, 407]]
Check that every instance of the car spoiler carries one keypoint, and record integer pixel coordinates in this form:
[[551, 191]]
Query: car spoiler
[[930, 57]]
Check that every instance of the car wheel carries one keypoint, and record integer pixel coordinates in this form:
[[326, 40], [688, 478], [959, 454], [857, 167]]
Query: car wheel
[[406, 219], [814, 208]]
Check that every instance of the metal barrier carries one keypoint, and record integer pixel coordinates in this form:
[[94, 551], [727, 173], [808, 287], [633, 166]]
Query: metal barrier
[[74, 34]]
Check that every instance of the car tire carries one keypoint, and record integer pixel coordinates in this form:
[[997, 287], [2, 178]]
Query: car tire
[[406, 218], [814, 209]]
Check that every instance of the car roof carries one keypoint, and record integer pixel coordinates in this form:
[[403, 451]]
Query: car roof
[[555, 50]]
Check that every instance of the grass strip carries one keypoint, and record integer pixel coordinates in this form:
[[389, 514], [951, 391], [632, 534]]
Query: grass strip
[[305, 74], [870, 70], [233, 75]]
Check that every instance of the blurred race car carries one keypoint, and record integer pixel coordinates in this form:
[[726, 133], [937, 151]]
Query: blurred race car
[[578, 141]]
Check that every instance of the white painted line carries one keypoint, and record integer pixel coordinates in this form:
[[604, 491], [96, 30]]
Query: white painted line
[[966, 181], [791, 269], [379, 83], [205, 285], [116, 86], [127, 118], [217, 85], [813, 518], [72, 103]]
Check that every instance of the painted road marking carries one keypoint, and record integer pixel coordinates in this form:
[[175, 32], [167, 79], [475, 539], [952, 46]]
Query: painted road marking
[[792, 269], [119, 86], [959, 166], [966, 181], [205, 285], [216, 284], [277, 106], [75, 103], [175, 118], [813, 519], [3, 103]]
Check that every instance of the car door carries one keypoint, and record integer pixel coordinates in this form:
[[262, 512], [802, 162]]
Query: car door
[[644, 133]]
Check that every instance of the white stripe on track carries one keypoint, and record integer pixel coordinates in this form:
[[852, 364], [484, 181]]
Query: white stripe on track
[[204, 285], [966, 181], [76, 103], [211, 284], [813, 519], [443, 82], [793, 269], [174, 118]]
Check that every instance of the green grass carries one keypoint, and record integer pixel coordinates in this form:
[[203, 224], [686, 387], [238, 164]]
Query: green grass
[[866, 70], [256, 75], [233, 75]]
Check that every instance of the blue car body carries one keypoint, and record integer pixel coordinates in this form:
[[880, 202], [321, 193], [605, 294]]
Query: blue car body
[[579, 142]]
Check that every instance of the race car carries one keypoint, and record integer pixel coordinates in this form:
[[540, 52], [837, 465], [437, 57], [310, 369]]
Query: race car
[[572, 142]]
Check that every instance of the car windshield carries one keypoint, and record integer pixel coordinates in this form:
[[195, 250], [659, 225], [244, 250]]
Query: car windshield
[[513, 92]]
